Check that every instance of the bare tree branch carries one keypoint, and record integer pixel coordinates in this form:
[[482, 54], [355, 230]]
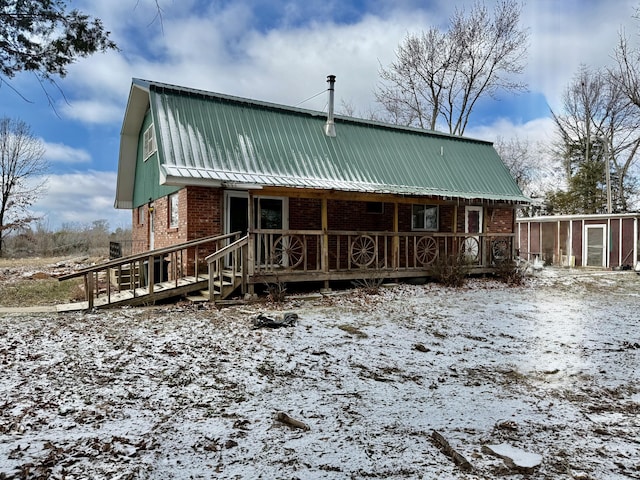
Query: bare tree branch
[[441, 76], [21, 162]]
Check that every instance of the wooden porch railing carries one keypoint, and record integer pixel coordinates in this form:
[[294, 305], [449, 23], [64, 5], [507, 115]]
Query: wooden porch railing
[[228, 268], [298, 251], [144, 270]]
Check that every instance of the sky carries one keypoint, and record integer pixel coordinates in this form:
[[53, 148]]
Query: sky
[[282, 52]]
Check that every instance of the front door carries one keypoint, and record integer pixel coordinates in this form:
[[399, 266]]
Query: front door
[[237, 212], [270, 213], [595, 245], [472, 224]]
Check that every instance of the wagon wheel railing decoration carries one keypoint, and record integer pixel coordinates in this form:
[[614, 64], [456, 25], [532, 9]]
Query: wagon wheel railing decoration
[[500, 249], [470, 248], [362, 251], [288, 251], [426, 250]]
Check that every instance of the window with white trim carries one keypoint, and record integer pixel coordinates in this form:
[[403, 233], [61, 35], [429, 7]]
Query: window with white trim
[[148, 142], [173, 210], [424, 217], [141, 213]]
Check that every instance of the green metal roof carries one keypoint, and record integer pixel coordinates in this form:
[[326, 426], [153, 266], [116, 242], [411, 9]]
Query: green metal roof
[[211, 139]]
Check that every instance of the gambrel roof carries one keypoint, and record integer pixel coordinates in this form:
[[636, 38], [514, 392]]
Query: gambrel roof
[[206, 138]]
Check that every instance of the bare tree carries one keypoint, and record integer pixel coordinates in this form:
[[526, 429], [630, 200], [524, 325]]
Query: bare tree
[[626, 70], [21, 163], [523, 160], [439, 77], [598, 140]]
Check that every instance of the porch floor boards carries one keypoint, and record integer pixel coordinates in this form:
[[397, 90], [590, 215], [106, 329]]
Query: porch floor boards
[[141, 296], [358, 274]]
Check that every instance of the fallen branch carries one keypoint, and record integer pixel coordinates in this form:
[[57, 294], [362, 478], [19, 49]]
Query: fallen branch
[[445, 448], [292, 422]]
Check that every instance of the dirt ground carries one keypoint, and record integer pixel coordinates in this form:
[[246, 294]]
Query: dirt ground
[[181, 391]]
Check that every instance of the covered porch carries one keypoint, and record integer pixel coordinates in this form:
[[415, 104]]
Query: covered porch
[[305, 235], [306, 255]]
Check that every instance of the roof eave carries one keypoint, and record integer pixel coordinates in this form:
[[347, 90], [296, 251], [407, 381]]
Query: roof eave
[[137, 106]]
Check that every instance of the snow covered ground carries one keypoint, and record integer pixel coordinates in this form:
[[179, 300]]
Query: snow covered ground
[[550, 369]]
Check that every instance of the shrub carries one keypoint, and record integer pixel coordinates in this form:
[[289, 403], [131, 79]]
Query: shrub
[[451, 271], [510, 272], [276, 292], [370, 285]]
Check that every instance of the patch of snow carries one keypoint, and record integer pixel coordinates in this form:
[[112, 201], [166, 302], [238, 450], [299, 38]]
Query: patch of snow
[[518, 457]]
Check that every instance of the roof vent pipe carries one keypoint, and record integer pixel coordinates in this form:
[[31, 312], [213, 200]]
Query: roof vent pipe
[[330, 126]]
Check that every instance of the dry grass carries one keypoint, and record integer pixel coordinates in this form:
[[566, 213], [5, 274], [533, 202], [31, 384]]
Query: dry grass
[[350, 329], [28, 292], [29, 262], [24, 282]]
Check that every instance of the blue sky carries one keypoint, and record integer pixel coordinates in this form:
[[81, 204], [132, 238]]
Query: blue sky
[[278, 51]]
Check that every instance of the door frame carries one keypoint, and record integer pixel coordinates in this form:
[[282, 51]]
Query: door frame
[[471, 242], [227, 208], [244, 194], [251, 221], [605, 241], [467, 210], [152, 239]]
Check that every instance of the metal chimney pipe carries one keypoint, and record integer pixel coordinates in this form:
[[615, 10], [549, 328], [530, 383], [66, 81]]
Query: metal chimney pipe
[[330, 126]]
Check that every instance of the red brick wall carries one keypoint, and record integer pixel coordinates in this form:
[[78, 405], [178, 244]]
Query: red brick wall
[[163, 235], [305, 214], [349, 215], [203, 211], [139, 231], [499, 220]]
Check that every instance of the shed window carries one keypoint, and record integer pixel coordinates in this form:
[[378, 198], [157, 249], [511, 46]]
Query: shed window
[[173, 210], [424, 217], [148, 142]]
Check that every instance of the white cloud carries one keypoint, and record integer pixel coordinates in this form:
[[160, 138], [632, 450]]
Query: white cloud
[[58, 152], [223, 52], [566, 34], [540, 130], [222, 49], [80, 199], [93, 111]]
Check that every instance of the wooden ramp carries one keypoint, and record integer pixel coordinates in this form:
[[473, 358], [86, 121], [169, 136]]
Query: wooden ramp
[[140, 279], [141, 296]]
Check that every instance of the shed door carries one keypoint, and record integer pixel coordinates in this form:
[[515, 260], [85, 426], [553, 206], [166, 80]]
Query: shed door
[[595, 245]]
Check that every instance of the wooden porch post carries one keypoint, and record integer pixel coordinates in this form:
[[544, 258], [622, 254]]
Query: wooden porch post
[[395, 242], [325, 239], [251, 248], [454, 247]]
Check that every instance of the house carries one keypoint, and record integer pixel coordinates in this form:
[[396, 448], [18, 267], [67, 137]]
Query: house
[[314, 196], [602, 241]]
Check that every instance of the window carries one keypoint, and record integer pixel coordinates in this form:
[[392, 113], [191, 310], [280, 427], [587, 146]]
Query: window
[[141, 215], [148, 143], [375, 207], [173, 210], [424, 217]]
